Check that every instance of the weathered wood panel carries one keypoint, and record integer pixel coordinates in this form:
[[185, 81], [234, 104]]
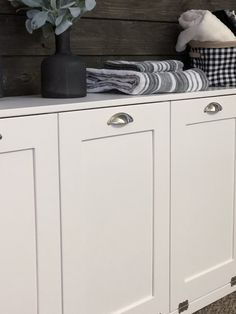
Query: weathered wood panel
[[153, 10], [22, 74], [131, 29], [92, 37]]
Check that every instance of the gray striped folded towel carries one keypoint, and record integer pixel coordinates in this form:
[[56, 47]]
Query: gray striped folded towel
[[136, 83], [145, 66]]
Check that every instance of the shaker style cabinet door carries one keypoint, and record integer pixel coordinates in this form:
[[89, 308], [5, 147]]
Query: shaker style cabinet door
[[202, 200], [29, 216], [115, 209]]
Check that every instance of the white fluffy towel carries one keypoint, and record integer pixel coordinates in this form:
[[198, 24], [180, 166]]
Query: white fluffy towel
[[202, 25]]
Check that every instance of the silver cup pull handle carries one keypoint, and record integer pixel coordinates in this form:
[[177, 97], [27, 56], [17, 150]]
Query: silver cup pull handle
[[120, 119], [213, 108]]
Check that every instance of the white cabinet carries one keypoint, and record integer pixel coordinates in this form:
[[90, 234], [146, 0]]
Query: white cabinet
[[111, 208], [115, 210], [202, 200], [29, 216]]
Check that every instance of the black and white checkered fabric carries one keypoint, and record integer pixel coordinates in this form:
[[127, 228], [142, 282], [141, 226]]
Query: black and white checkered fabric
[[219, 64]]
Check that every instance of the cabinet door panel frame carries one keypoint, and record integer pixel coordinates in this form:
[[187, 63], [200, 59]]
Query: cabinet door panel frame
[[184, 117], [38, 134], [91, 125]]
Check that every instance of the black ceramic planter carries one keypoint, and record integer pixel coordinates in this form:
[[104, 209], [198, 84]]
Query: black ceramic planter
[[63, 75]]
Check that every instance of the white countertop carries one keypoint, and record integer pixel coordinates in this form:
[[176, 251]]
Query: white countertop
[[31, 105]]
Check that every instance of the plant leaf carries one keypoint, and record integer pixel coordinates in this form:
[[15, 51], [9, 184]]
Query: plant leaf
[[63, 27], [32, 3], [59, 13], [31, 13], [14, 3], [39, 19], [90, 4], [51, 18], [75, 12], [68, 5], [59, 19], [28, 26], [53, 4]]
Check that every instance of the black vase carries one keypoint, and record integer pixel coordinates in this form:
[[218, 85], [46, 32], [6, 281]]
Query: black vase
[[63, 75]]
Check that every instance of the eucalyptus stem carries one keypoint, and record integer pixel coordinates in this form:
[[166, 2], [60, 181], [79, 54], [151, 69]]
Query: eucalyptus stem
[[60, 14]]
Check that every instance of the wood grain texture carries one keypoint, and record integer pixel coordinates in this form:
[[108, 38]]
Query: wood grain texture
[[6, 7], [155, 10], [22, 73], [111, 37], [124, 29]]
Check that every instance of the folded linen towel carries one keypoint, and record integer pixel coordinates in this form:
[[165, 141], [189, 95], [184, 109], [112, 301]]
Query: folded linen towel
[[228, 17], [202, 25], [136, 83], [146, 66]]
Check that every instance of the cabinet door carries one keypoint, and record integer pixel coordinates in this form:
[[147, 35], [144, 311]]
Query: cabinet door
[[202, 199], [29, 216], [115, 210]]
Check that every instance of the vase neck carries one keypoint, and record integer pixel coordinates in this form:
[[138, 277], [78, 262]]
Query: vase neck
[[63, 43]]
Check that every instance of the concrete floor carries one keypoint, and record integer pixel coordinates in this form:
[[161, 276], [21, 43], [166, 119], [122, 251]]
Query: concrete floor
[[226, 305]]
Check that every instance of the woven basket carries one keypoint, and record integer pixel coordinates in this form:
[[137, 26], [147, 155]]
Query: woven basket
[[216, 59]]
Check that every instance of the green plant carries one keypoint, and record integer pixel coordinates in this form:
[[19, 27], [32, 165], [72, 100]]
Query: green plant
[[57, 15]]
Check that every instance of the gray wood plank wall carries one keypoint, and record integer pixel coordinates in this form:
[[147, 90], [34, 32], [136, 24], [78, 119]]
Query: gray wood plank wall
[[125, 29]]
